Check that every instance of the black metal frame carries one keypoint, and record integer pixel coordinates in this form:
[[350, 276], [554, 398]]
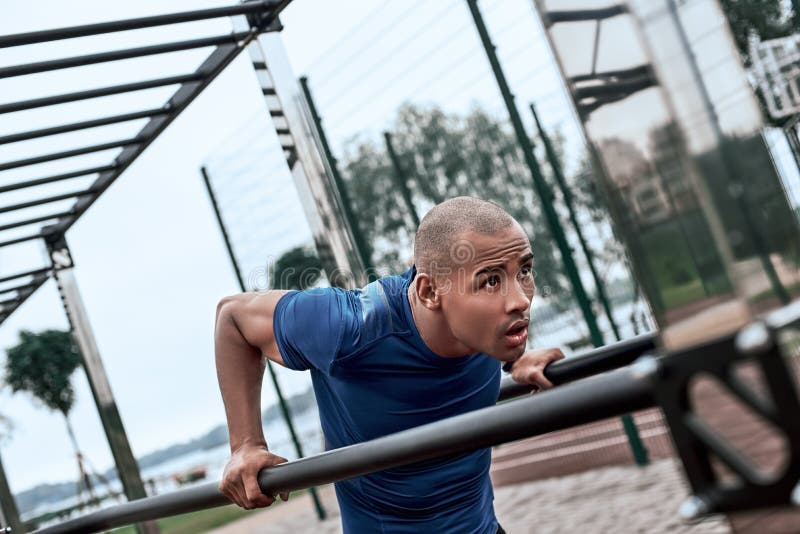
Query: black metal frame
[[648, 382], [260, 15]]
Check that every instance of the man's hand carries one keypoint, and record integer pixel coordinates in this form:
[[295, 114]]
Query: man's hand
[[240, 478], [529, 368]]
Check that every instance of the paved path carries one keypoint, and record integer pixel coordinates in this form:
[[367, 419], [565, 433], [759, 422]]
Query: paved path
[[613, 499]]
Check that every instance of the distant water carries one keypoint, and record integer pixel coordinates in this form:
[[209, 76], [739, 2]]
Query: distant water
[[214, 460]]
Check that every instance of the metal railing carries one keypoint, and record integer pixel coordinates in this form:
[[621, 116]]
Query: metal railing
[[617, 392]]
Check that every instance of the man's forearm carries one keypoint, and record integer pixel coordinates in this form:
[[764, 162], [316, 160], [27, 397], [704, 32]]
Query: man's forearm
[[240, 371]]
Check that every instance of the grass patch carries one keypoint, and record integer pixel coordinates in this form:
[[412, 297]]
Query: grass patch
[[204, 520], [195, 522], [676, 296]]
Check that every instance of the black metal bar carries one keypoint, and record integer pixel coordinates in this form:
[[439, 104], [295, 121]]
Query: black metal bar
[[363, 246], [554, 17], [116, 55], [96, 93], [21, 286], [133, 24], [83, 125], [45, 200], [34, 220], [597, 361], [56, 178], [35, 284], [69, 153], [633, 72], [34, 272], [19, 240], [616, 393]]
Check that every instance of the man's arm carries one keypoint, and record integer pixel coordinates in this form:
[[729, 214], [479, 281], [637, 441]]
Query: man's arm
[[243, 337]]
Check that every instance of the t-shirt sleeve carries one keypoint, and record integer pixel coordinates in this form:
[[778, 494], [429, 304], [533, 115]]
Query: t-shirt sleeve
[[308, 327]]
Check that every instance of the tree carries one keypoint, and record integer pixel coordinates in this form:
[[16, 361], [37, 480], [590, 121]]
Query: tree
[[297, 268], [767, 19], [42, 364]]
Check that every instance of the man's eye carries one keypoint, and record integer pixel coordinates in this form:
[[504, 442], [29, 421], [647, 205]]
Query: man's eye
[[493, 281], [527, 270]]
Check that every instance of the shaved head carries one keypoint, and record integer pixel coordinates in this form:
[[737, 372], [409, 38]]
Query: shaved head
[[437, 244]]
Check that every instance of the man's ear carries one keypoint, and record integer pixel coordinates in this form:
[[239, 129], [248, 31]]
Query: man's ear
[[425, 287]]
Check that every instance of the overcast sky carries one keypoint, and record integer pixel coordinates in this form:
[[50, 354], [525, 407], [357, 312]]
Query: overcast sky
[[150, 262]]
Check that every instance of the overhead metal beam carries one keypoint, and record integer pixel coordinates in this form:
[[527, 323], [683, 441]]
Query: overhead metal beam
[[22, 287], [96, 93], [116, 55], [46, 200], [34, 220], [577, 15], [208, 70], [23, 296], [69, 153], [134, 24], [56, 178], [83, 125], [19, 240], [34, 272]]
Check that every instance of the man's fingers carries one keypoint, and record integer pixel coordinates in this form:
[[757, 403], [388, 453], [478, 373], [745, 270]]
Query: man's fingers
[[254, 495], [285, 496]]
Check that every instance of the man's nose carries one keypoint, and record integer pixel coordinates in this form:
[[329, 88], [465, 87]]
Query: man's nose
[[518, 299]]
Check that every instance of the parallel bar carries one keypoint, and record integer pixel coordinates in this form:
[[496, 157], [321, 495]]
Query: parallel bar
[[616, 393], [599, 360], [83, 125], [116, 55], [132, 24], [68, 153], [56, 178], [96, 93], [46, 200], [34, 272], [21, 240]]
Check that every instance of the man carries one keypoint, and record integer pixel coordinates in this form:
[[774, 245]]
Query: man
[[401, 352]]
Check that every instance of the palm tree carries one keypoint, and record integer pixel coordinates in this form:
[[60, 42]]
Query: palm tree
[[42, 365]]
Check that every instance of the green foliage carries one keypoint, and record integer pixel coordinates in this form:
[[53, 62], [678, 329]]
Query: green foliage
[[297, 268], [768, 19], [42, 364]]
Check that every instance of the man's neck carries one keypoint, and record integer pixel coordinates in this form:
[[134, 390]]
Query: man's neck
[[433, 330]]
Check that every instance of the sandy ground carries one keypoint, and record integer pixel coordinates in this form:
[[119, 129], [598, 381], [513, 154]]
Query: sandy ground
[[625, 499]]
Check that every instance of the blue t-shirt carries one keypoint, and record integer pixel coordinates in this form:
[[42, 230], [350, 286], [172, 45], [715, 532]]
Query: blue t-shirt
[[373, 375]]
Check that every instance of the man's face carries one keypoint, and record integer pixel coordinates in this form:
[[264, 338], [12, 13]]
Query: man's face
[[487, 303]]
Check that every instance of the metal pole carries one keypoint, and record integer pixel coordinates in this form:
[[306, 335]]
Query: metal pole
[[542, 189], [605, 396], [322, 204], [127, 468], [401, 180], [9, 515], [287, 417], [555, 165], [364, 248]]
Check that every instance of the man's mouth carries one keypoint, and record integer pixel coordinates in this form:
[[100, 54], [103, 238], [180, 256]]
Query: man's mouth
[[517, 334]]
